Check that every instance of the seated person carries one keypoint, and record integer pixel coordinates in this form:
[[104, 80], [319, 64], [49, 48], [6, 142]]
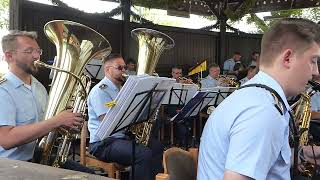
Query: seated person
[[229, 64], [131, 67], [118, 147], [176, 73], [211, 79], [252, 71]]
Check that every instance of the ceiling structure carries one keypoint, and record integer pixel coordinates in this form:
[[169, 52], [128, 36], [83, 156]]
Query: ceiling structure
[[216, 7]]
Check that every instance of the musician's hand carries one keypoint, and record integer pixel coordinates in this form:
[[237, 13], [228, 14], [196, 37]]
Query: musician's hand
[[301, 168], [69, 119]]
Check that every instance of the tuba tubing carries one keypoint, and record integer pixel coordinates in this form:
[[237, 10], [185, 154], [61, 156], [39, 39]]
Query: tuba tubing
[[76, 45]]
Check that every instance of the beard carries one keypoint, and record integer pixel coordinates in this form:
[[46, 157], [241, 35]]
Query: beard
[[27, 69]]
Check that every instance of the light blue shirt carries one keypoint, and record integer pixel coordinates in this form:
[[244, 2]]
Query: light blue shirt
[[250, 139], [21, 104], [315, 102], [103, 92], [228, 65], [208, 82]]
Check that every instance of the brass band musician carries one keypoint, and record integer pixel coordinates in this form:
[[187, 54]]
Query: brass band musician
[[212, 79], [24, 98], [118, 147]]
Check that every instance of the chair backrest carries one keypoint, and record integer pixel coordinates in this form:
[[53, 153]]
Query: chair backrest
[[83, 143], [179, 164]]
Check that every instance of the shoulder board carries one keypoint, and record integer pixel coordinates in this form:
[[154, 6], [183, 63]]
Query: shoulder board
[[278, 104], [2, 79], [103, 86]]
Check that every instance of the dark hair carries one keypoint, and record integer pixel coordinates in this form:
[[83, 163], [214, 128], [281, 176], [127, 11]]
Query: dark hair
[[131, 61], [294, 33], [176, 67], [111, 57], [236, 53]]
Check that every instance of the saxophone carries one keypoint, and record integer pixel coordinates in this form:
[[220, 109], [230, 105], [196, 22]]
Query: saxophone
[[76, 45], [302, 116], [151, 45]]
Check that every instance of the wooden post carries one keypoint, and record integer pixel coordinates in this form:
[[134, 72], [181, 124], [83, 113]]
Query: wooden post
[[126, 33], [15, 14]]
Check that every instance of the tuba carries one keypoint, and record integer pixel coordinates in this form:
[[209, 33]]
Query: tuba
[[151, 45], [302, 116], [76, 45]]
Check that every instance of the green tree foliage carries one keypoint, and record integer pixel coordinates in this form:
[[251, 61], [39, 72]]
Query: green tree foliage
[[4, 14]]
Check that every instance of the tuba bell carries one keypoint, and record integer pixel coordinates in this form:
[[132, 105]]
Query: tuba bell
[[76, 45], [151, 45]]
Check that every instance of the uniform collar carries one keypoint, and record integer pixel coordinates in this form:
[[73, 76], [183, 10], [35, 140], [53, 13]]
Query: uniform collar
[[16, 81], [109, 83], [266, 79]]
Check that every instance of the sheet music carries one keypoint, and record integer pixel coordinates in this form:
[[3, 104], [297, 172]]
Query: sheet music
[[129, 102], [180, 94]]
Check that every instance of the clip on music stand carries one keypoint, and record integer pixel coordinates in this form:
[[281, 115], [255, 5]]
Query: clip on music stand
[[142, 112], [194, 107]]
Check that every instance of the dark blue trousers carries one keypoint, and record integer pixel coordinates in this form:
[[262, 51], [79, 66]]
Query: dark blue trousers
[[148, 160]]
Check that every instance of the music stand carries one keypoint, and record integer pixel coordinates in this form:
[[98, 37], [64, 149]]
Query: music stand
[[136, 103], [194, 107]]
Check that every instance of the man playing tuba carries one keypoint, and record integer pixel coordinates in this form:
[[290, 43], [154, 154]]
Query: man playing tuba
[[24, 99], [118, 147]]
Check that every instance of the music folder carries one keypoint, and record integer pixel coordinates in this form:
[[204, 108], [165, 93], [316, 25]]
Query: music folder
[[138, 98], [200, 100]]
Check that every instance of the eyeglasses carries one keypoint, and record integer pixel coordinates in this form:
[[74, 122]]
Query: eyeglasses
[[119, 67], [31, 51]]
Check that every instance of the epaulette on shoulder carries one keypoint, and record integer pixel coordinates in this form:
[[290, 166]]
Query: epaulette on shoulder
[[278, 104], [2, 80], [103, 86]]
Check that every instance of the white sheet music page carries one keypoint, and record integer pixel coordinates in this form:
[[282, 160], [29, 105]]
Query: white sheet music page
[[130, 100]]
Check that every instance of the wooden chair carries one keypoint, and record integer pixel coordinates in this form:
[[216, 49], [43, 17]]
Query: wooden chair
[[179, 164], [113, 169]]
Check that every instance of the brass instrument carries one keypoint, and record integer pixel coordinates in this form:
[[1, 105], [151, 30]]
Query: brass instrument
[[151, 44], [302, 116], [185, 80], [76, 45], [228, 81]]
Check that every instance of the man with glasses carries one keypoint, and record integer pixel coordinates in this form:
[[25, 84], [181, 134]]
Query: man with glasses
[[24, 99], [118, 147]]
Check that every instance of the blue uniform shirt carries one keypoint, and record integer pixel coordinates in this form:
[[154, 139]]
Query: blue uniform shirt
[[315, 102], [103, 92], [228, 65], [208, 82], [250, 139], [21, 104]]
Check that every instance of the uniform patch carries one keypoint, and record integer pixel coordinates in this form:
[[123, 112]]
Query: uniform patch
[[103, 86]]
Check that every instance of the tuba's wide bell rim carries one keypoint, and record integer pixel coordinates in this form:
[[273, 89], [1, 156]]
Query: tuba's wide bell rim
[[145, 31]]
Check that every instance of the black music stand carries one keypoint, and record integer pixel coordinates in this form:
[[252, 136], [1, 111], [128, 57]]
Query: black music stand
[[221, 94], [142, 112], [194, 107]]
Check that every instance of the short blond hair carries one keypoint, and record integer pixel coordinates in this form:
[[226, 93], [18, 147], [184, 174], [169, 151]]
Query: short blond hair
[[9, 41]]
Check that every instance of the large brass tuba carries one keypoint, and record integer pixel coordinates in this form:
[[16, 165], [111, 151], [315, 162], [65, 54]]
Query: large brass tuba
[[76, 45], [151, 45]]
